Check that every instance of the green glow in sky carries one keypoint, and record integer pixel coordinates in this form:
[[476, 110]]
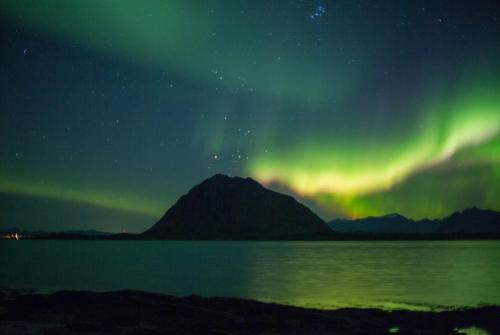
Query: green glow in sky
[[460, 133], [374, 107], [83, 196], [310, 169], [175, 36]]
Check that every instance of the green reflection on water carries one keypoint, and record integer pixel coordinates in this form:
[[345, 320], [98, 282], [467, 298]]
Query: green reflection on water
[[412, 275]]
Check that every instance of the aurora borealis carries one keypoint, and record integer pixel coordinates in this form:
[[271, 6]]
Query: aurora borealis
[[356, 108]]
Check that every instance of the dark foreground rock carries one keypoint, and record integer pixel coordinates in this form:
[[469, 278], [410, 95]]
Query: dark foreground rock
[[134, 312]]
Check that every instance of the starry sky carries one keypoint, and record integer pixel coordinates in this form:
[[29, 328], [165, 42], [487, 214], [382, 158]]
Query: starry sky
[[111, 110]]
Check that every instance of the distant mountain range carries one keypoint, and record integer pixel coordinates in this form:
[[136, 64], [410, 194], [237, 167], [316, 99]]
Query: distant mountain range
[[234, 208], [223, 207], [470, 221]]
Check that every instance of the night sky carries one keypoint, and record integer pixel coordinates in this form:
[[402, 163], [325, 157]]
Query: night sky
[[111, 110]]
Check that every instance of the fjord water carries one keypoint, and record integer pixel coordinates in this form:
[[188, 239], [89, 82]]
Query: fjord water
[[414, 275]]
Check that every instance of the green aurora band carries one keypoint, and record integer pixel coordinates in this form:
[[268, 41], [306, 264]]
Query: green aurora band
[[82, 196], [360, 181], [175, 39], [443, 157]]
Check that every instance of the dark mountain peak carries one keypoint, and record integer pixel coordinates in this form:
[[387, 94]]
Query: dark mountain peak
[[471, 212], [474, 213], [389, 223], [391, 217], [472, 220], [217, 179], [469, 221], [224, 181], [394, 216], [475, 210], [224, 207]]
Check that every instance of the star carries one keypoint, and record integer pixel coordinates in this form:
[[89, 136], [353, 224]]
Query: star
[[318, 12]]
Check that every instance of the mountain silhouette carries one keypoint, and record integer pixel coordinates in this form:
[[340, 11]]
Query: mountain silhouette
[[223, 207], [391, 223], [470, 221]]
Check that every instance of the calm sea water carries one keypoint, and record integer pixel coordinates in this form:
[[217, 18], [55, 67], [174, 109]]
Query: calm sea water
[[415, 275]]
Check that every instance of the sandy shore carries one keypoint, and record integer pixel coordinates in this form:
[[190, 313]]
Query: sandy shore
[[135, 312]]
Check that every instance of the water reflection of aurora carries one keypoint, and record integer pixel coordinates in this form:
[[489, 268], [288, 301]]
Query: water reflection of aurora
[[409, 275]]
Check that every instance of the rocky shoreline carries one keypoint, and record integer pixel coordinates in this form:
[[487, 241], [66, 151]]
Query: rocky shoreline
[[137, 312]]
